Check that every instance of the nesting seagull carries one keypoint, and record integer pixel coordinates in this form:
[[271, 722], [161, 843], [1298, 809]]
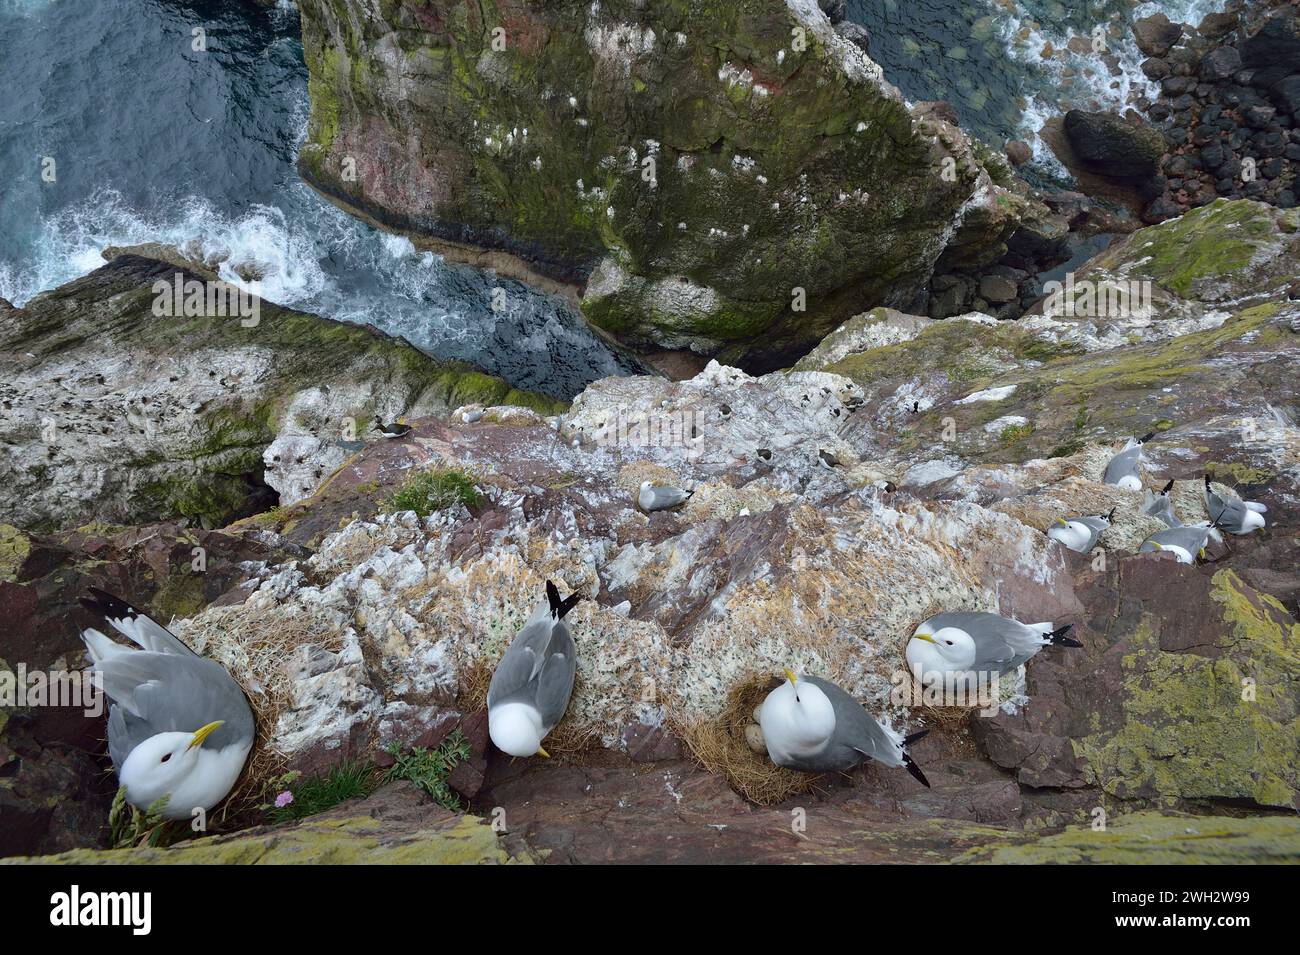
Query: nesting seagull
[[1186, 542], [812, 725], [1232, 513], [531, 686], [180, 725], [1081, 533], [472, 414], [1161, 506], [1123, 469], [653, 498], [398, 429], [968, 649]]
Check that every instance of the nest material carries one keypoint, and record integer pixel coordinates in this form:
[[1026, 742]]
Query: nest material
[[568, 740], [720, 747]]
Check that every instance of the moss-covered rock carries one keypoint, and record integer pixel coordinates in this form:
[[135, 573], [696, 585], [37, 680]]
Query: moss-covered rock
[[115, 412], [1149, 838], [394, 827], [743, 175]]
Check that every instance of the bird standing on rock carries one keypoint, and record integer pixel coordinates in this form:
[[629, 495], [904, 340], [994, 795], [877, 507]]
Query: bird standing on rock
[[531, 686], [812, 725], [398, 429], [1124, 469], [180, 727]]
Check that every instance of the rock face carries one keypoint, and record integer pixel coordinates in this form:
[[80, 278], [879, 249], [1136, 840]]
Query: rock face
[[905, 466], [732, 178], [116, 413]]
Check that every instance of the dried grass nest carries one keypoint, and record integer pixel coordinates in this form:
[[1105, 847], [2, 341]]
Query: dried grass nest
[[720, 747]]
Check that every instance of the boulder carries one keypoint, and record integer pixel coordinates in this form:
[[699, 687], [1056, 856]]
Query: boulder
[[1156, 35], [1113, 146]]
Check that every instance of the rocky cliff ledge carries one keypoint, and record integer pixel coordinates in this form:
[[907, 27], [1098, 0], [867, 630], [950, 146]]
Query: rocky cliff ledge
[[908, 464], [115, 413], [735, 178]]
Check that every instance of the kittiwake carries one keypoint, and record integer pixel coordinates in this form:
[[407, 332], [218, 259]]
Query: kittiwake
[[812, 725], [1186, 542], [180, 726], [1231, 512], [531, 686], [1080, 533], [965, 650], [1124, 468], [1161, 505], [652, 498]]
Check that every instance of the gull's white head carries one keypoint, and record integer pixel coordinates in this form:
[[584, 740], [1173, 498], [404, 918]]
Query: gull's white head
[[1130, 482], [949, 648], [516, 729], [1252, 520], [162, 764], [1070, 533], [797, 719], [646, 485]]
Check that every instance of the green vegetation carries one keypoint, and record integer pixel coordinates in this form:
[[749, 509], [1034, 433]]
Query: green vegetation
[[434, 490], [430, 768], [317, 793], [1015, 432], [129, 826]]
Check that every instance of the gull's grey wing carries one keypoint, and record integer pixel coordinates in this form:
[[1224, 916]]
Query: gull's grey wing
[[537, 668], [1225, 511], [665, 497], [555, 680], [162, 693], [1123, 464], [857, 735]]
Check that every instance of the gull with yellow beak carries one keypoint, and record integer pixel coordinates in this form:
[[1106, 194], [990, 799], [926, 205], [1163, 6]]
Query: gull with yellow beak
[[965, 650], [812, 725], [531, 686], [1080, 533], [180, 727]]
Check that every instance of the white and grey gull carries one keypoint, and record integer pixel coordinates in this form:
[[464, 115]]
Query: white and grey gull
[[180, 727]]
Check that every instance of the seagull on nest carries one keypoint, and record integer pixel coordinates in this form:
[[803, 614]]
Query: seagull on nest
[[180, 726]]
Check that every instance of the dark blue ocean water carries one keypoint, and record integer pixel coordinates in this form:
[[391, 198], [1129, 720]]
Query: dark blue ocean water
[[154, 141]]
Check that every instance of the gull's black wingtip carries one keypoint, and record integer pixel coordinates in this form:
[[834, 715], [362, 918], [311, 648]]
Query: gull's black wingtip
[[915, 770], [1168, 487], [560, 607], [106, 605], [1058, 638], [1146, 437]]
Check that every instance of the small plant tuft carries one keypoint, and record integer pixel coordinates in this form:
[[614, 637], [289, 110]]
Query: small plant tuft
[[319, 793], [430, 768], [435, 490], [129, 827]]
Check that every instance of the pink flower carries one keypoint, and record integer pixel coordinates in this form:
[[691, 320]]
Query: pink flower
[[283, 799]]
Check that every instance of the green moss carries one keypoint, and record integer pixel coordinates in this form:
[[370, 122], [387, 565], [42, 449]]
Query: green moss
[[1150, 838], [359, 840], [1212, 242], [14, 548], [1013, 433], [1237, 475], [1197, 727]]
